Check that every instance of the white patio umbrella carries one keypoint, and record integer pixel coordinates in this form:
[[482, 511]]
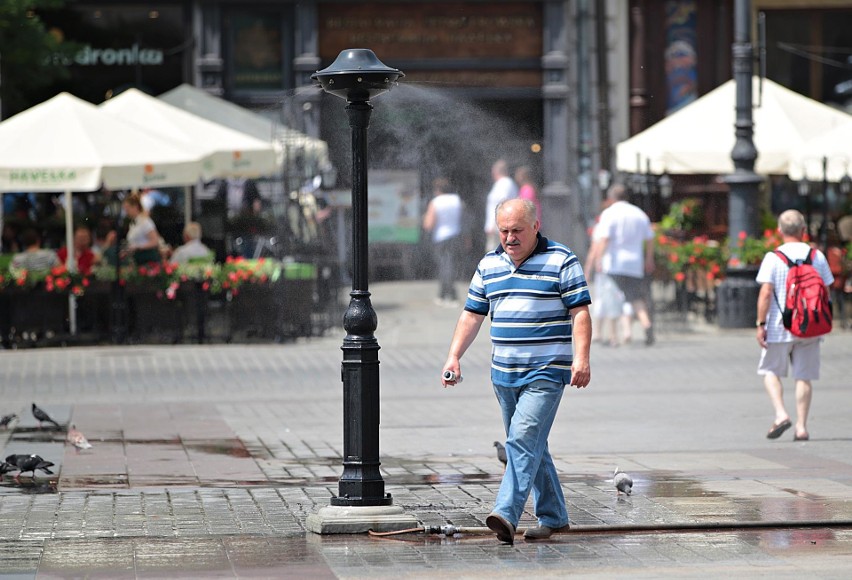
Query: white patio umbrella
[[287, 141], [835, 147], [699, 137], [225, 152], [67, 144]]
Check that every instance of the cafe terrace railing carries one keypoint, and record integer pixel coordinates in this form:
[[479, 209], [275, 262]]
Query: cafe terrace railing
[[200, 301]]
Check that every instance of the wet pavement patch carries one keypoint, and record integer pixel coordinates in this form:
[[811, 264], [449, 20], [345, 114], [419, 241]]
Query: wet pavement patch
[[224, 557], [231, 447]]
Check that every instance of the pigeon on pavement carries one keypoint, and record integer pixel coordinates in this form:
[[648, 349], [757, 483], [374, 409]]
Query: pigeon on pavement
[[77, 439], [6, 468], [501, 453], [42, 417], [6, 419], [623, 482], [29, 463]]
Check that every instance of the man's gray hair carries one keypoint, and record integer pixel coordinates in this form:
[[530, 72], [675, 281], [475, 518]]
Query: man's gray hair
[[791, 223], [501, 167], [527, 206], [192, 230], [617, 192]]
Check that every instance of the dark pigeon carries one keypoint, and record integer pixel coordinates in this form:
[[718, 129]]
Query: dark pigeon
[[6, 419], [30, 463], [501, 453], [13, 459], [6, 468], [42, 417]]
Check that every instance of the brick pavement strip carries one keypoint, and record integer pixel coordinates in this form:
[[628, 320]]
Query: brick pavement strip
[[208, 458]]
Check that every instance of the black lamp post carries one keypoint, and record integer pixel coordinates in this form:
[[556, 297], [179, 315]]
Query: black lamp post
[[805, 192], [666, 185], [823, 228], [744, 182], [357, 75], [736, 297]]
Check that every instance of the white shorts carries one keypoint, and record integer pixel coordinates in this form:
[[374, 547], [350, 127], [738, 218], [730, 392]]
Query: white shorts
[[803, 354]]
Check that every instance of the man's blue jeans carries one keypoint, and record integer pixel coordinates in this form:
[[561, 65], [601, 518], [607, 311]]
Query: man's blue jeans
[[528, 414]]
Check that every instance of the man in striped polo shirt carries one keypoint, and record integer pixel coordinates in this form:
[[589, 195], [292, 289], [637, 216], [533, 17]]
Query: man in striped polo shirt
[[536, 294]]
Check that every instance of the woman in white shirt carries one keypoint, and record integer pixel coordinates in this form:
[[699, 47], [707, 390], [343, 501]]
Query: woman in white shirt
[[443, 220], [143, 240]]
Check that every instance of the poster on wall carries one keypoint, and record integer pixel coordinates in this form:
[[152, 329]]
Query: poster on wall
[[393, 206], [258, 63], [681, 56]]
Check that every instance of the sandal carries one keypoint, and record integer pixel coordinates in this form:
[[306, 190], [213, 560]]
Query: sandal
[[778, 429]]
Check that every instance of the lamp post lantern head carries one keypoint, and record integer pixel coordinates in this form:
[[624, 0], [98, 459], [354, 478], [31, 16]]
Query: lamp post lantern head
[[845, 184], [666, 185], [357, 74]]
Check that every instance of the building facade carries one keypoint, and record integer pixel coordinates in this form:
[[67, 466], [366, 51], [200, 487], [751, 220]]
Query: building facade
[[552, 84]]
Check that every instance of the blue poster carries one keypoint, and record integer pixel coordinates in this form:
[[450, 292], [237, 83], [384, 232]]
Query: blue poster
[[680, 55]]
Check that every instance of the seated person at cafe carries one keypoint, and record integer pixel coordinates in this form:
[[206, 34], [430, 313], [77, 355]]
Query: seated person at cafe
[[34, 257], [143, 239], [104, 247], [192, 246], [10, 239], [82, 250]]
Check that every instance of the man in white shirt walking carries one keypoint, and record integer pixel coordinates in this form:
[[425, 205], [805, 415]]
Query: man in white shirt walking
[[443, 220], [627, 253]]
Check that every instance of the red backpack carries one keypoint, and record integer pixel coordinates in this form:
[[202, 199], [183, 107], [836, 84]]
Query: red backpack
[[807, 310]]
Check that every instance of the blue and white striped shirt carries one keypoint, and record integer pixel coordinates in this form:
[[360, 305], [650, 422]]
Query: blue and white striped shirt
[[529, 306]]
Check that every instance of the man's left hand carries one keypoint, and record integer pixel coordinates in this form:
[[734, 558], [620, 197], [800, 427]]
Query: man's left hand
[[581, 373]]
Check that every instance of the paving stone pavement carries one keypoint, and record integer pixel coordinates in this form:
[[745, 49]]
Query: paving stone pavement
[[208, 459]]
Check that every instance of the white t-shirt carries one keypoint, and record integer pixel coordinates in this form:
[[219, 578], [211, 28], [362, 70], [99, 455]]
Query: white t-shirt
[[448, 214], [191, 249], [773, 270], [503, 189], [627, 228], [137, 234]]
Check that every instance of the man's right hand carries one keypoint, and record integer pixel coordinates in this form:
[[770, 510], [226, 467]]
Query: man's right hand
[[453, 366], [761, 336]]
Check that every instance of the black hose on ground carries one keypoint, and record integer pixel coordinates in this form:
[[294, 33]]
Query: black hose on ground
[[452, 530]]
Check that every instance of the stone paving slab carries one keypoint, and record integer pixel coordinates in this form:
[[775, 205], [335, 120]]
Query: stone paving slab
[[755, 554]]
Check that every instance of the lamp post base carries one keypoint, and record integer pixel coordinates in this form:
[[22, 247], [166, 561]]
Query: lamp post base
[[359, 520], [736, 298]]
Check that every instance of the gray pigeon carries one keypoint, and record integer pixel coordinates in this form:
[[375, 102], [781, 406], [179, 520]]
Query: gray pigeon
[[6, 419], [623, 482], [501, 453]]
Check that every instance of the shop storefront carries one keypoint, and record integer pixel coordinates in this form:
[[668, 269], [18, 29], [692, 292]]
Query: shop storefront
[[122, 45]]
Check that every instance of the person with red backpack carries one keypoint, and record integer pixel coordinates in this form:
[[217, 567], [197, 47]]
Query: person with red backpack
[[793, 313]]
